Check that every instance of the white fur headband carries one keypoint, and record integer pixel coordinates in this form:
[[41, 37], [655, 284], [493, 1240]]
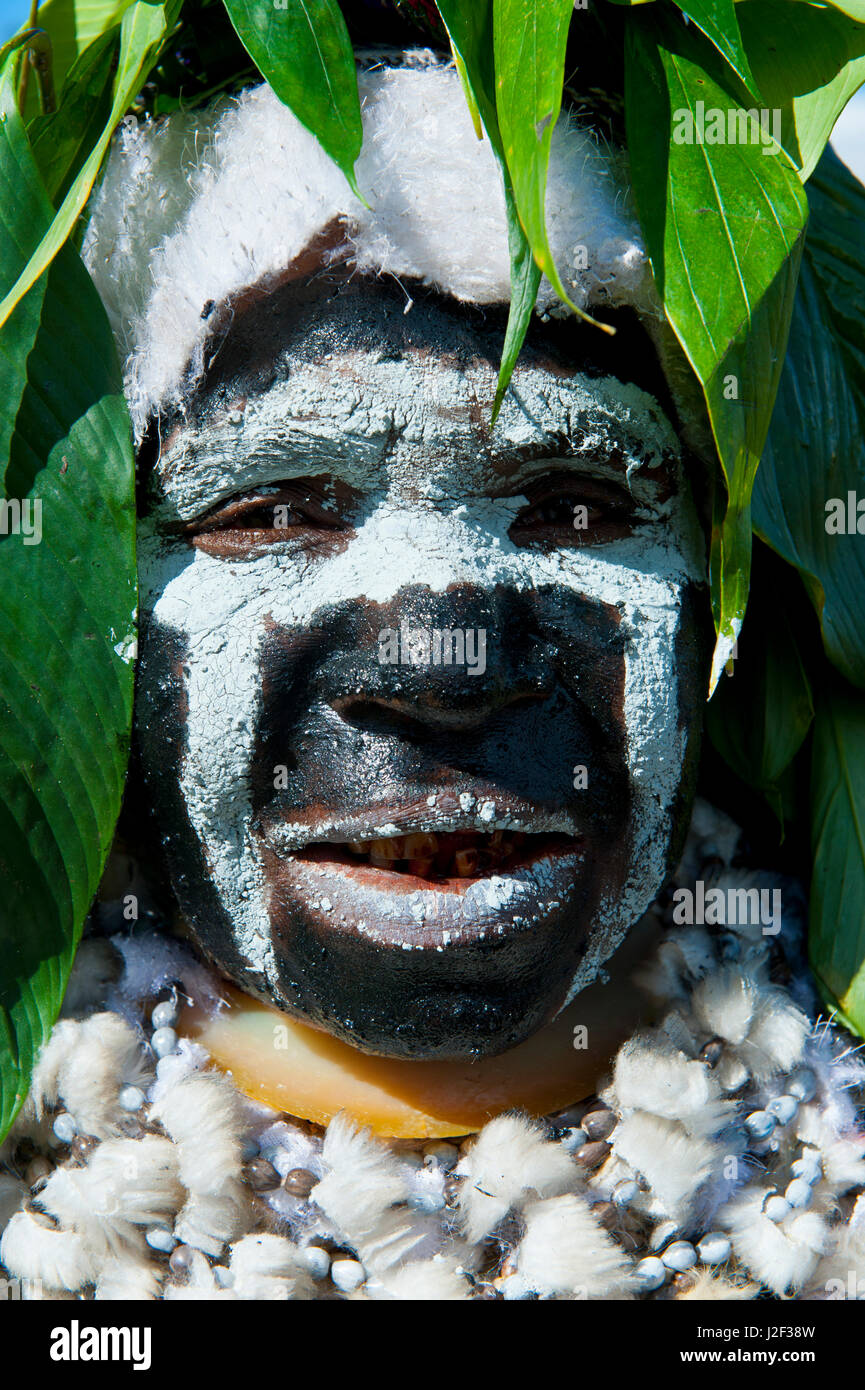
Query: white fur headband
[[196, 208]]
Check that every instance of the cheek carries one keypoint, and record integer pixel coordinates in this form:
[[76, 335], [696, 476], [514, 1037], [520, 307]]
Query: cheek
[[199, 683], [664, 687]]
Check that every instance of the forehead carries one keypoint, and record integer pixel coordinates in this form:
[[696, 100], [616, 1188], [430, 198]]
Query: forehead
[[355, 379]]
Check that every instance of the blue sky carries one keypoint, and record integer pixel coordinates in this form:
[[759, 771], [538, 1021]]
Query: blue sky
[[12, 15], [848, 138]]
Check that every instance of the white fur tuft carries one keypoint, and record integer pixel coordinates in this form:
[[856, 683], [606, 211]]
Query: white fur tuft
[[34, 1250], [711, 1287], [203, 1114], [269, 1268], [85, 1064], [674, 1163], [565, 1253], [509, 1163], [126, 1185], [439, 1280], [783, 1256], [128, 1280], [202, 205], [363, 1193]]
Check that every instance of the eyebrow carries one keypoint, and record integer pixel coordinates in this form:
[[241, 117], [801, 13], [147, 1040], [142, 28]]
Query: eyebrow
[[314, 310], [208, 462]]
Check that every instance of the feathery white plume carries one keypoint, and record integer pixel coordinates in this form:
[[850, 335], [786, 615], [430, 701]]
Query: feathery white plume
[[723, 1004], [32, 1249], [85, 1064], [269, 1267], [565, 1253], [674, 1163], [362, 1192], [127, 1184], [439, 1280], [782, 1255], [203, 1113], [710, 1286], [510, 1162], [128, 1280]]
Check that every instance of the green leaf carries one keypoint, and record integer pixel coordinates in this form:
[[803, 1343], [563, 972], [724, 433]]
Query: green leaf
[[717, 19], [72, 25], [62, 141], [723, 226], [142, 33], [763, 707], [809, 62], [470, 29], [854, 8], [529, 42], [837, 931], [21, 205], [816, 447], [67, 604], [303, 50], [468, 94]]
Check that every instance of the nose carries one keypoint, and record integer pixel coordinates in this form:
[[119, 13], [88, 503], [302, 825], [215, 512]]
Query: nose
[[450, 662]]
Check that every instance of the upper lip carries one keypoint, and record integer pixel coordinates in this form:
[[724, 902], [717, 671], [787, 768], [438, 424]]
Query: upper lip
[[440, 811]]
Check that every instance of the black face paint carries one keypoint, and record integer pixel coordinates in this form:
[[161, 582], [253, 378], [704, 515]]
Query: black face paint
[[280, 746]]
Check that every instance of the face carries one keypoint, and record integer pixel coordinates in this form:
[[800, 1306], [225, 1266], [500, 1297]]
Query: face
[[418, 696]]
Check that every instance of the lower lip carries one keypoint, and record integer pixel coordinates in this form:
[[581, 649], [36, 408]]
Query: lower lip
[[400, 909]]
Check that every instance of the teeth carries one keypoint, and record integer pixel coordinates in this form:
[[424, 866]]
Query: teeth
[[439, 856], [420, 867], [420, 846], [383, 852], [466, 862]]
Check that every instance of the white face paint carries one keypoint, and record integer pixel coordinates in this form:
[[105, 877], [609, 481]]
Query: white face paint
[[409, 437]]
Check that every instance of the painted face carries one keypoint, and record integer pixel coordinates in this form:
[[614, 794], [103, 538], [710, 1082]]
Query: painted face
[[418, 697]]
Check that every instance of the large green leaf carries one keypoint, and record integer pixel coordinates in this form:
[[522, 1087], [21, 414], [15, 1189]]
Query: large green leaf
[[142, 33], [72, 25], [854, 8], [67, 604], [303, 50], [529, 42], [470, 29], [21, 204], [816, 447], [723, 226], [718, 21], [62, 140], [837, 931], [809, 61]]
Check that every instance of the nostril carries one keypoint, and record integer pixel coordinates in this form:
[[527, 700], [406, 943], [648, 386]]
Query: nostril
[[425, 717], [380, 717], [524, 702]]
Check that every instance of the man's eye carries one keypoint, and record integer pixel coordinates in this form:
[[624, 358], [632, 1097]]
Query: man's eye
[[267, 515], [568, 510]]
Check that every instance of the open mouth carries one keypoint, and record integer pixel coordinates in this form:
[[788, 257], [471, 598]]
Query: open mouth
[[434, 888], [445, 924], [439, 858]]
